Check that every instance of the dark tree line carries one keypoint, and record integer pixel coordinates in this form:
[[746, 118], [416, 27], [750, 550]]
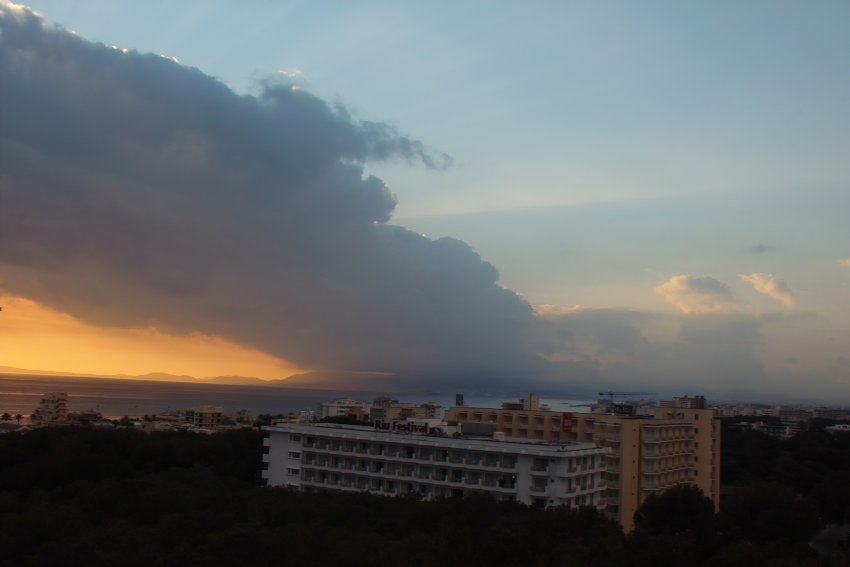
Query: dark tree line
[[87, 497], [807, 475]]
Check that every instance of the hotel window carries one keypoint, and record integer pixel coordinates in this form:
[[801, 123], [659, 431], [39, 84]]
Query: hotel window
[[294, 455], [292, 471], [295, 438]]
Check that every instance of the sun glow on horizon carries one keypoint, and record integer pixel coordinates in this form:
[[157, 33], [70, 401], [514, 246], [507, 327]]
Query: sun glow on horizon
[[35, 337]]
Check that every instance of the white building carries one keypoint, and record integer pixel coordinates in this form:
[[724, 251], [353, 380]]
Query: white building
[[407, 457], [53, 409]]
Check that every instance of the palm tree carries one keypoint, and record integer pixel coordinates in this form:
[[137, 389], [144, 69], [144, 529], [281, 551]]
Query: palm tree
[[18, 417], [6, 416]]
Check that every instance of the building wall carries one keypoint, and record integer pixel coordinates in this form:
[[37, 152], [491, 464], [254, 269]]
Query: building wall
[[53, 409], [343, 407], [204, 416], [346, 458]]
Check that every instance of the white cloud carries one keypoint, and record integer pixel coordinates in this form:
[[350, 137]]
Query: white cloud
[[844, 263], [549, 310], [697, 295], [772, 287]]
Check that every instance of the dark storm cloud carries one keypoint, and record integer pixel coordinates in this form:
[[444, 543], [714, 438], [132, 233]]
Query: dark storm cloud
[[137, 192]]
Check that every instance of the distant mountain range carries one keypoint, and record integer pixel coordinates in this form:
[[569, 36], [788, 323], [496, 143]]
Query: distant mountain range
[[314, 380], [153, 377]]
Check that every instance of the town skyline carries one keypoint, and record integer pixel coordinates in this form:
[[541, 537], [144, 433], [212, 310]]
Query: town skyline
[[554, 195]]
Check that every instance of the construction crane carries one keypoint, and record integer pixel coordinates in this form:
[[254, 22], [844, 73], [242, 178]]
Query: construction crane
[[612, 394]]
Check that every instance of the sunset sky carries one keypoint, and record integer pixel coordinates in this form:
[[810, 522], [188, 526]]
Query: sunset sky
[[641, 196]]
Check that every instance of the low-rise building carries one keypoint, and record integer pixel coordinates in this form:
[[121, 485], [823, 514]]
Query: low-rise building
[[419, 458], [343, 408], [205, 417], [685, 402], [385, 408], [783, 430]]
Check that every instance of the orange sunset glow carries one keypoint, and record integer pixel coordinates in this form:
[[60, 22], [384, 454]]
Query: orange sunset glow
[[39, 338]]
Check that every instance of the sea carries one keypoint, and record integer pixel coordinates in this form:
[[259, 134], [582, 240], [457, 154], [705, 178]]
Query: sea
[[120, 397]]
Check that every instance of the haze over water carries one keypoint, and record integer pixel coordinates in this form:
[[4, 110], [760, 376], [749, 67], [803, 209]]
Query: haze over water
[[21, 394]]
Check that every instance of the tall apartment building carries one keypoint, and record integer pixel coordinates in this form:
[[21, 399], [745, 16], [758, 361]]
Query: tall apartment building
[[648, 453], [408, 457], [52, 409]]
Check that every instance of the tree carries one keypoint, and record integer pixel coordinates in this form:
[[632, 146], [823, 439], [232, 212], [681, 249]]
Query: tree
[[6, 417], [768, 512], [683, 512]]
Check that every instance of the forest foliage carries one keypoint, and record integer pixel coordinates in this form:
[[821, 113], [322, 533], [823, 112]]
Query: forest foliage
[[71, 496]]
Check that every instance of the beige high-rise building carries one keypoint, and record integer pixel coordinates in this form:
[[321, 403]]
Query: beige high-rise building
[[648, 453]]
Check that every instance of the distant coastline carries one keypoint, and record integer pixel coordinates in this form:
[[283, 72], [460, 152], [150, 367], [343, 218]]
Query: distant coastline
[[121, 396]]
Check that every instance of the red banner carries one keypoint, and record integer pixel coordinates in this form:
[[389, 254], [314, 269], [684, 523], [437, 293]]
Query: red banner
[[567, 426]]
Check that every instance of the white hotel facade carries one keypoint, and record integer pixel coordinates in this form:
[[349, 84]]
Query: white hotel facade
[[408, 458]]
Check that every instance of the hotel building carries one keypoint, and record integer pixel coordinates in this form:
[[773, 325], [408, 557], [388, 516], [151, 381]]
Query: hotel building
[[647, 453], [417, 458], [52, 409]]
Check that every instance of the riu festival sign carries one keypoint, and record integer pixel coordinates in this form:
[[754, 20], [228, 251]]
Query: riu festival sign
[[401, 426]]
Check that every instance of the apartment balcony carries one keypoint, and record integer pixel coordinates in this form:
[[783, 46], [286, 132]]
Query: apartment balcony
[[650, 470], [650, 454], [503, 488]]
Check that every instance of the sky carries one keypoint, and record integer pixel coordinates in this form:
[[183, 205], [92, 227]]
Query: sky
[[545, 195]]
